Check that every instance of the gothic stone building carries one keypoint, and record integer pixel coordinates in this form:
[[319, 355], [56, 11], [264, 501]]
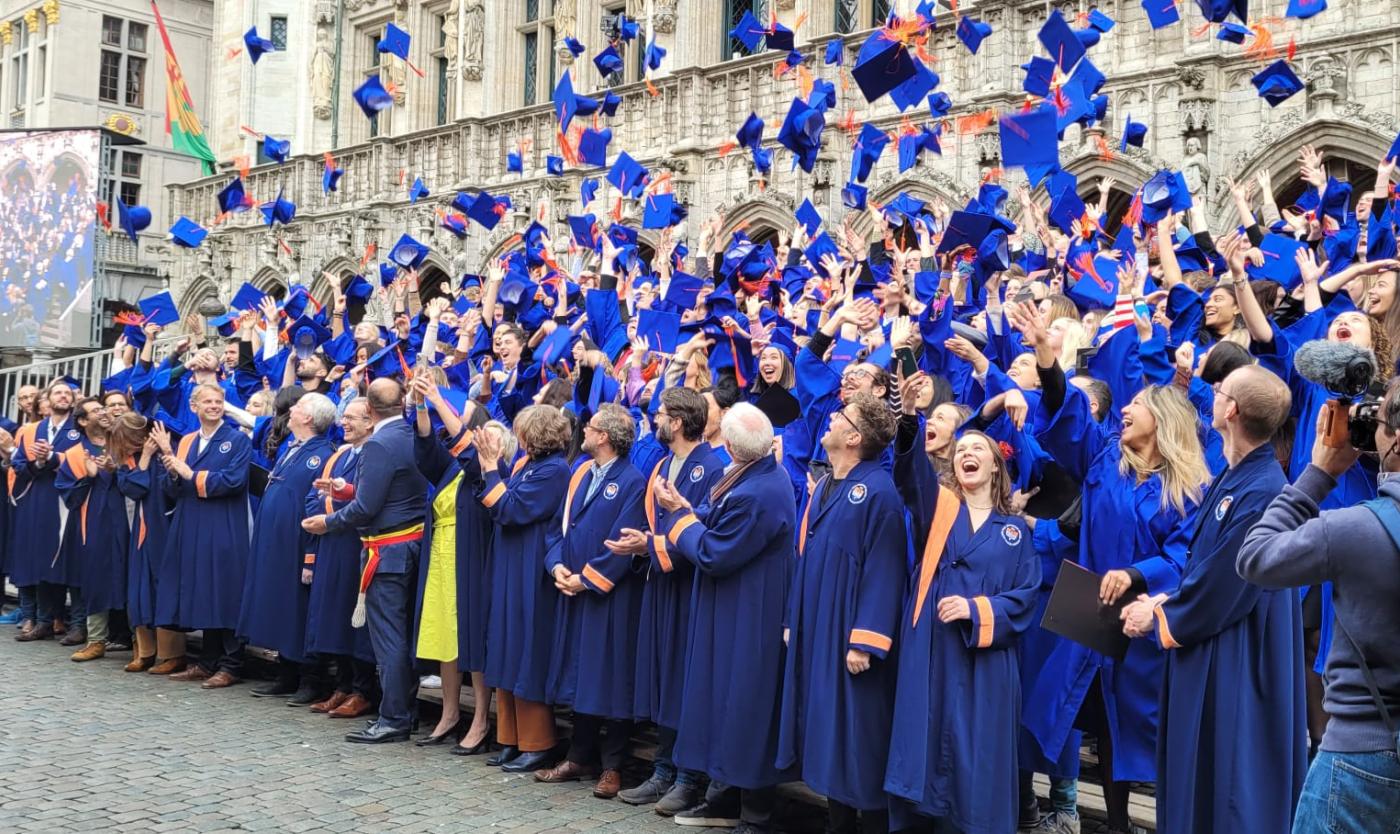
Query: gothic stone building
[[488, 67]]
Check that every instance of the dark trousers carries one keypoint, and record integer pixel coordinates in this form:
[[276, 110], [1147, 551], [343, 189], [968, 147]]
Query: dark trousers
[[221, 651], [756, 805], [389, 617], [843, 819], [664, 763], [49, 601], [1093, 719], [599, 741], [354, 676]]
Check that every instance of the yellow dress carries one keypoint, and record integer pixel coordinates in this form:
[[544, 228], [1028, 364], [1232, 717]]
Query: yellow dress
[[437, 629]]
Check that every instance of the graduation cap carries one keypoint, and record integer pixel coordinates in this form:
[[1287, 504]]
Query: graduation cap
[[357, 289], [750, 134], [296, 302], [808, 216], [159, 309], [611, 101], [819, 248], [133, 219], [226, 325], [188, 233], [868, 146], [1304, 9], [387, 274], [1134, 133], [683, 290], [455, 223], [330, 176], [395, 42], [1028, 138], [515, 162], [1039, 73], [748, 31], [627, 28], [1232, 32], [418, 190], [608, 61], [486, 210], [256, 45], [593, 146], [1088, 36], [280, 210], [276, 149], [628, 176], [574, 45], [1099, 21], [582, 230], [555, 346], [965, 228], [939, 104], [655, 52], [1190, 257], [801, 133], [835, 52], [372, 97], [912, 91], [661, 211], [853, 196], [1097, 284], [587, 190], [233, 198], [1279, 264], [1217, 10], [307, 334], [972, 32], [389, 361], [408, 253], [1161, 13], [1277, 83], [248, 297], [554, 165], [881, 65], [778, 405], [660, 329]]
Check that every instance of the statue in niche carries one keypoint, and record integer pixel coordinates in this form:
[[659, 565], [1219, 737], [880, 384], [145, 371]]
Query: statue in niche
[[474, 38], [322, 74], [451, 32], [1195, 167]]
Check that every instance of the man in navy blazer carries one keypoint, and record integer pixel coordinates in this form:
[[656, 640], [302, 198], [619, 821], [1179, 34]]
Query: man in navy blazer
[[387, 511]]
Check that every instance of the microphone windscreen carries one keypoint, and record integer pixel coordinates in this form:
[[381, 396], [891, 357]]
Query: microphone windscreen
[[1341, 368]]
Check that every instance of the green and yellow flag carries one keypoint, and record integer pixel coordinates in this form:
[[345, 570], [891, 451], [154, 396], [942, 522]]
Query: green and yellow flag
[[181, 123]]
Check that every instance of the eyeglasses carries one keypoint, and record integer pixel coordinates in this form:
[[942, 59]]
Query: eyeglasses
[[842, 414], [850, 377], [1219, 392]]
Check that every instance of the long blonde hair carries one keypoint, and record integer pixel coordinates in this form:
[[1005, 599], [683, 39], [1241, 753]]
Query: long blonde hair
[[1074, 338], [1183, 470]]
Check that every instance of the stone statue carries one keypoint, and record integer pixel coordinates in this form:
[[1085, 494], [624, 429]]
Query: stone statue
[[322, 74], [451, 31], [1195, 167], [474, 38], [664, 16]]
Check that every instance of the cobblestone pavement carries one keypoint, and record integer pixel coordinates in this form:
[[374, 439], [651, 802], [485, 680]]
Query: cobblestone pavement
[[87, 747]]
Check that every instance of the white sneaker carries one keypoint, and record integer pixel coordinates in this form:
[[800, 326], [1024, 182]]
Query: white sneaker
[[430, 682]]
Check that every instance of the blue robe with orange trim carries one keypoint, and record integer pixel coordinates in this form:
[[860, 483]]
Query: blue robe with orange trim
[[742, 546], [595, 644], [149, 526], [664, 624], [846, 594], [526, 507], [440, 463], [1233, 742], [1124, 524], [38, 521], [97, 535], [206, 552], [273, 611], [334, 559], [958, 692]]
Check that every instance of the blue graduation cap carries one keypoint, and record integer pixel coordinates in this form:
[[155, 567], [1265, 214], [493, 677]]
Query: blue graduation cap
[[1059, 40], [1279, 264], [655, 52], [853, 196], [661, 211], [1099, 21], [408, 253], [1217, 10], [233, 198], [611, 101], [1134, 133], [582, 230], [972, 32], [939, 104], [280, 210], [608, 61], [256, 45], [627, 28], [909, 149], [1161, 13], [133, 219], [683, 290], [276, 149], [395, 42], [1097, 284], [915, 88], [1232, 32], [881, 65], [372, 97], [780, 38], [1028, 138], [188, 233], [1304, 9], [587, 190], [226, 325], [593, 146], [515, 163], [486, 210], [867, 149], [387, 274], [801, 133], [330, 176], [660, 328], [389, 361], [1039, 73], [820, 247], [418, 190], [307, 334], [248, 297], [807, 215], [628, 176], [554, 165], [748, 31], [1277, 83], [762, 159], [965, 229], [750, 134], [835, 50], [555, 346], [574, 45], [455, 223], [296, 302], [159, 309], [357, 289]]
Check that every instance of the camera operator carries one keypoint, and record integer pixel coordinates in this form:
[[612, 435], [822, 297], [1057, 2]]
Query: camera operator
[[1354, 783]]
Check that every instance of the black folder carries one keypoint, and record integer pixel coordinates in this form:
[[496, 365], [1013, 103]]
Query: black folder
[[257, 479], [1074, 612]]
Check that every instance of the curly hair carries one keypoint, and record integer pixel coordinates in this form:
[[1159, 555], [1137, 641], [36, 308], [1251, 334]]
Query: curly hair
[[542, 431]]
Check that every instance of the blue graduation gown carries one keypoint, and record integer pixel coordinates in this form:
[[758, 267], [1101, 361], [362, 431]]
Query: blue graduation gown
[[664, 623], [206, 552], [146, 548], [1123, 524], [334, 559], [526, 507], [39, 517], [440, 464], [96, 539], [273, 613], [958, 693], [1233, 739], [595, 644], [846, 594], [742, 546]]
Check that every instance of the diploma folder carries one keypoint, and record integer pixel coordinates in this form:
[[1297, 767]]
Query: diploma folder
[[257, 479], [1074, 612]]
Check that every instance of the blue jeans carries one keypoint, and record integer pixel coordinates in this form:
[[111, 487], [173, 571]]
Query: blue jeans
[[663, 767], [1356, 793]]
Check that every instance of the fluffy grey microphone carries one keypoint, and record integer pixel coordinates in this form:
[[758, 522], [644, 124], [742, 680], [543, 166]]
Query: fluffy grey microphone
[[1344, 370]]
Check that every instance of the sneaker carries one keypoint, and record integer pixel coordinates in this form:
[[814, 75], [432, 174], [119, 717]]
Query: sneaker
[[11, 618], [705, 815], [430, 682], [646, 793], [679, 798], [1057, 822]]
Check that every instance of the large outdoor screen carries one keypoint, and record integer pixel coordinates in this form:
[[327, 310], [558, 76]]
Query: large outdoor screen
[[48, 202]]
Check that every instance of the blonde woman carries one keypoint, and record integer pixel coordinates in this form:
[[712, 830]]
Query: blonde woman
[[1141, 489]]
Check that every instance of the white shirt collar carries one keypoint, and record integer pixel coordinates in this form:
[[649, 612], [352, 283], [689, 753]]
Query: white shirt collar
[[382, 423]]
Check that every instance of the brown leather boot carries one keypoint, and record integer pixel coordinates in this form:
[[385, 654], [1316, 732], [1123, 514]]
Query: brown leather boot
[[140, 664], [336, 699], [192, 674], [92, 651], [169, 666], [353, 707]]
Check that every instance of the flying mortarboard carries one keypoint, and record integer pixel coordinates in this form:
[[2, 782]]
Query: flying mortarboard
[[276, 149], [661, 211], [280, 210], [1217, 10], [159, 309], [486, 210], [1161, 13], [750, 133], [655, 52], [780, 38], [1028, 138], [610, 104], [1039, 73], [574, 46], [1099, 21], [820, 247], [226, 325], [296, 302], [683, 290], [418, 190], [939, 104], [748, 31], [660, 328], [330, 176], [555, 346], [608, 61], [835, 52], [801, 133], [582, 231], [868, 146], [1134, 133], [972, 32], [233, 198], [915, 88], [248, 297], [188, 233], [1277, 83], [628, 176], [1233, 32], [808, 216], [881, 65], [1279, 264], [256, 45], [408, 252], [515, 162], [593, 146], [588, 189], [965, 228], [455, 223], [357, 289], [1304, 9], [372, 97], [853, 196], [554, 165], [395, 42], [133, 219], [387, 274], [627, 28]]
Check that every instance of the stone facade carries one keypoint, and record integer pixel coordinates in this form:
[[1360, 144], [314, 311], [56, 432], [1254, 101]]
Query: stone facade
[[1192, 90]]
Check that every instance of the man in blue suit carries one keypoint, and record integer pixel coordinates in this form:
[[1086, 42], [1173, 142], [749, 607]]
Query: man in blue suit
[[388, 511]]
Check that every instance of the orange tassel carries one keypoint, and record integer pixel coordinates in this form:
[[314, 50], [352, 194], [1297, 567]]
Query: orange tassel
[[1105, 152], [1200, 30], [651, 88], [801, 19], [243, 162], [234, 53], [804, 80], [1262, 47], [369, 254], [727, 148], [1292, 49]]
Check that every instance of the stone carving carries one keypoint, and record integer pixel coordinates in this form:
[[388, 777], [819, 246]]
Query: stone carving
[[322, 75], [31, 21], [1197, 114], [325, 12], [785, 5], [1192, 77], [451, 35], [50, 8], [1195, 167], [473, 39], [565, 25], [663, 16]]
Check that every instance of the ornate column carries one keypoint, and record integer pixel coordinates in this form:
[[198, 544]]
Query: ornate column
[[565, 25]]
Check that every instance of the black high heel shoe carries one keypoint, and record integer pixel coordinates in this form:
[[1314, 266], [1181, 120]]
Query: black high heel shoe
[[453, 734], [483, 746]]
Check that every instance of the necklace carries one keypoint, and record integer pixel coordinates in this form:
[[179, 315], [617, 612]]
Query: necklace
[[976, 507]]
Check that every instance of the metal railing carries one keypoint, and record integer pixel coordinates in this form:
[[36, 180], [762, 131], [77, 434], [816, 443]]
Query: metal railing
[[89, 369]]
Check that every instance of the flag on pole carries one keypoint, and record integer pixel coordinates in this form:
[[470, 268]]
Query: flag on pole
[[181, 122]]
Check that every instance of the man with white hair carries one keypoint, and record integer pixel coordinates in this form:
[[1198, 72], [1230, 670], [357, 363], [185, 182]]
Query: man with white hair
[[741, 543], [273, 614]]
